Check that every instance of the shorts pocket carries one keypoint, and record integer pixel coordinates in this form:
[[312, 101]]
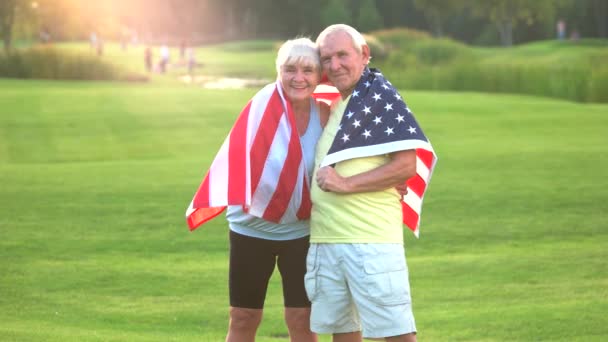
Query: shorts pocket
[[312, 270], [386, 280]]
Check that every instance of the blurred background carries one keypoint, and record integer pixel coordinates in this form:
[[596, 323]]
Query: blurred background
[[478, 22]]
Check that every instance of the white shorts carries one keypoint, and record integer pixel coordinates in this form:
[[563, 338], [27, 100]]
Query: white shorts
[[359, 287]]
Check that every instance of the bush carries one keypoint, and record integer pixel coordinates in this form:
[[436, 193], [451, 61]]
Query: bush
[[573, 71], [440, 51], [400, 38], [49, 63], [377, 49]]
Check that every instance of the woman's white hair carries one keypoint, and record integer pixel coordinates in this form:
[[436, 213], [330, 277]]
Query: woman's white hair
[[356, 36], [298, 51]]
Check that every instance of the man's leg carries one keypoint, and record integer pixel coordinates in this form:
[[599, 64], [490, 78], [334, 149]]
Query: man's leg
[[411, 337], [378, 281], [243, 324], [348, 337]]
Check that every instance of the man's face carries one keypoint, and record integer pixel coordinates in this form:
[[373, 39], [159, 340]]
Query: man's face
[[342, 62]]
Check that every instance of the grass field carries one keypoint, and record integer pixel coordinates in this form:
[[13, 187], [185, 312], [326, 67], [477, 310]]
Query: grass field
[[95, 179]]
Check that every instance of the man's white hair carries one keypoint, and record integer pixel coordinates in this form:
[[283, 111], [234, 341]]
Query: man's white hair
[[356, 36], [298, 51]]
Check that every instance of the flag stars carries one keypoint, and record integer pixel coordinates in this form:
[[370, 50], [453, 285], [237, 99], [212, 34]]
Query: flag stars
[[367, 110], [389, 131], [400, 118], [385, 86], [377, 120], [355, 93], [366, 134], [389, 106], [367, 84], [350, 114], [339, 127], [412, 130], [377, 97], [345, 137], [397, 96], [357, 123]]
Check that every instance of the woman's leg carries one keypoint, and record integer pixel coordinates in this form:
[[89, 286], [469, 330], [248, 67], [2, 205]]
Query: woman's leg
[[243, 324], [252, 262], [298, 324], [292, 265]]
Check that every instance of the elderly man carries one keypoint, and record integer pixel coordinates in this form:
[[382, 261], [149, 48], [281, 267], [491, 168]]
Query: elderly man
[[357, 278]]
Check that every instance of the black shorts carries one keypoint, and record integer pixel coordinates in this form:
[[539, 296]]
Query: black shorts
[[252, 262]]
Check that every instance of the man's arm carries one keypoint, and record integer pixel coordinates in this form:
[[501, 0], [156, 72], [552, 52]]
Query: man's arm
[[401, 167]]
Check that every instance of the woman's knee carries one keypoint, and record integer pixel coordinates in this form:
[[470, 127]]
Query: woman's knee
[[245, 319], [298, 318]]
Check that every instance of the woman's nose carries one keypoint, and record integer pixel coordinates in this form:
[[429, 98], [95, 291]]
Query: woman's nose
[[298, 75]]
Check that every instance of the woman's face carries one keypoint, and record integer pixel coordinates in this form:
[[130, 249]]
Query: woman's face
[[299, 81]]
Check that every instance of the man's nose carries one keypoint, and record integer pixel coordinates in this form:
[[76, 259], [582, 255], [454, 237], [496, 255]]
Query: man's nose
[[334, 64]]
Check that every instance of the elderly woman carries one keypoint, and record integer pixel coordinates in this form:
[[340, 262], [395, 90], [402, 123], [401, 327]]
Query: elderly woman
[[262, 175]]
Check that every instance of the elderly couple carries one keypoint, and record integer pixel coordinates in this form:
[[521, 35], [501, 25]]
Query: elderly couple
[[323, 206]]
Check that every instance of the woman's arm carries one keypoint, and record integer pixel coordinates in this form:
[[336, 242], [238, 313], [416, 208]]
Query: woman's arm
[[323, 113]]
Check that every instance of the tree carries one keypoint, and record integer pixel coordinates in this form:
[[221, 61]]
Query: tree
[[335, 12], [600, 9], [437, 12], [8, 9], [369, 19], [506, 14]]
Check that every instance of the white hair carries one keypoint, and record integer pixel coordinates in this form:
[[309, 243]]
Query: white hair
[[298, 51], [356, 37]]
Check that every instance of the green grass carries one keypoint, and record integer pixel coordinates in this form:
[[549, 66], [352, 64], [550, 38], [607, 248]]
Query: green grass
[[95, 179]]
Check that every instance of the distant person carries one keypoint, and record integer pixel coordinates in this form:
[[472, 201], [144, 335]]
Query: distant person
[[268, 216], [165, 55], [191, 60], [93, 40], [561, 29], [99, 46], [45, 35], [575, 36], [148, 58], [182, 49], [124, 39], [134, 38]]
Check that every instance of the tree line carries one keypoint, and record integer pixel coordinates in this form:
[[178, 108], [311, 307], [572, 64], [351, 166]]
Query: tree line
[[481, 22]]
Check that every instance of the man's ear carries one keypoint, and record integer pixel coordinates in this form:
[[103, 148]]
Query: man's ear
[[365, 53]]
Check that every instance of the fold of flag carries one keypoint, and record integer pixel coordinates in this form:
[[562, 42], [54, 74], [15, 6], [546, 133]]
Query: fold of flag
[[377, 121], [259, 166]]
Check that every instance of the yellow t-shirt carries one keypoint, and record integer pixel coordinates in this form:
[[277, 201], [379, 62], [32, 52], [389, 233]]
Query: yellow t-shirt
[[368, 217]]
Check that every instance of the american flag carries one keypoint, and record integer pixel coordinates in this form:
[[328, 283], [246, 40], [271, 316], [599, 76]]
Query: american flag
[[259, 166], [377, 121]]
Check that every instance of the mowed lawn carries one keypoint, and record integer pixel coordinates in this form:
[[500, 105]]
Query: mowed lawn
[[95, 179]]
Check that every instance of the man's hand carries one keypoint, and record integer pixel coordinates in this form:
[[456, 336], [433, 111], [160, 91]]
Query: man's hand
[[401, 189], [329, 180]]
